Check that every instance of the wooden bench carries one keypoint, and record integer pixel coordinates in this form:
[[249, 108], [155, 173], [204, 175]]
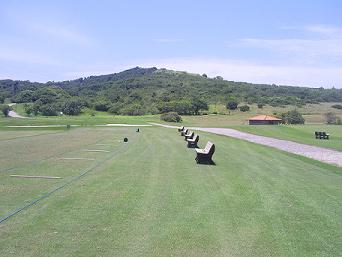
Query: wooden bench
[[192, 143], [189, 135], [321, 135], [184, 132], [181, 129], [205, 155]]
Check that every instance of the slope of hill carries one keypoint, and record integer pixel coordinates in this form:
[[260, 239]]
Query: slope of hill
[[151, 90]]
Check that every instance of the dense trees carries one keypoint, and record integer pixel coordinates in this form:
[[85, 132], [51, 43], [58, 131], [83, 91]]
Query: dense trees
[[141, 91], [292, 117]]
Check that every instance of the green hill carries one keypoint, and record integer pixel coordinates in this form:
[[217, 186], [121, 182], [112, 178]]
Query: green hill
[[140, 91]]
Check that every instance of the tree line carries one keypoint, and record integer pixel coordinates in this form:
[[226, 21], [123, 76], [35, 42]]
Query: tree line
[[140, 91]]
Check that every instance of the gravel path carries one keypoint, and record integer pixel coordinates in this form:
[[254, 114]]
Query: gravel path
[[13, 114], [314, 152]]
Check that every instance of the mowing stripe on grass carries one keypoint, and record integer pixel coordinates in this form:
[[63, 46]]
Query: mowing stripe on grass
[[27, 176], [114, 153], [76, 158], [95, 150]]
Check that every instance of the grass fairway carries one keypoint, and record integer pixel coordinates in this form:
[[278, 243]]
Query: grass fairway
[[148, 197], [299, 133]]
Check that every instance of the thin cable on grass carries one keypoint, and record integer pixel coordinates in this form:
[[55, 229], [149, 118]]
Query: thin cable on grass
[[8, 216]]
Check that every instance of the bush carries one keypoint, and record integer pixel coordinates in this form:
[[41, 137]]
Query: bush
[[30, 109], [5, 109], [171, 117], [260, 105], [232, 105], [292, 117], [337, 106], [330, 117], [132, 110], [102, 106], [72, 107], [244, 108], [49, 110]]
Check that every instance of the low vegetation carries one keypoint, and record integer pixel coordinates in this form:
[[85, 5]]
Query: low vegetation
[[171, 117]]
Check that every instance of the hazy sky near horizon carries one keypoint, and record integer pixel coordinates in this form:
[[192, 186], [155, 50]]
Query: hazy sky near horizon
[[283, 42]]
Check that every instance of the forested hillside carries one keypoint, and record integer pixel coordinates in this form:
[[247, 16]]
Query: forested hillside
[[140, 91]]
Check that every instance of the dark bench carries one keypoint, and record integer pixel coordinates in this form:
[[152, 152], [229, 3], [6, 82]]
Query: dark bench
[[192, 143], [189, 135], [321, 135], [205, 155], [184, 132], [181, 129]]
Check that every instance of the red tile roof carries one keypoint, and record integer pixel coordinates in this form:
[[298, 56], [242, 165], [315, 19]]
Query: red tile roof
[[264, 117]]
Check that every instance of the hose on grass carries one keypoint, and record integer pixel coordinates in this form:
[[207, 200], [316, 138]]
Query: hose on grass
[[11, 214]]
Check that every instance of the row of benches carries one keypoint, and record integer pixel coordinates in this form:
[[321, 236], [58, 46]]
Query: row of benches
[[202, 155], [321, 135]]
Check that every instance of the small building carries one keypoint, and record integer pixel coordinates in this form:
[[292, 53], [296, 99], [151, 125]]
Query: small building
[[264, 120]]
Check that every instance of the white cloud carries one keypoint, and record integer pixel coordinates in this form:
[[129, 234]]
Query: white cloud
[[304, 47], [13, 54], [60, 32], [254, 72], [324, 29]]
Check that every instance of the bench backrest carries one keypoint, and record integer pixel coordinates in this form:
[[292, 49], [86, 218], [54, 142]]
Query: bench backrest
[[185, 131], [196, 138], [209, 148], [182, 128], [191, 135]]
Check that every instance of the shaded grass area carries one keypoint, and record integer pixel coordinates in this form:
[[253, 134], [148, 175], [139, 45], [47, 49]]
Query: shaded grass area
[[299, 133], [152, 199]]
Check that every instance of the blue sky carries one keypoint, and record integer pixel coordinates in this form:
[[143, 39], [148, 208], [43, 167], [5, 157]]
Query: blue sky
[[282, 42]]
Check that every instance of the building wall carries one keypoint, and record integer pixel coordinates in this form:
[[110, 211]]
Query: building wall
[[263, 122]]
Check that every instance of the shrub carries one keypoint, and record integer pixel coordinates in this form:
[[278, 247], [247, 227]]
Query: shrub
[[260, 105], [337, 106], [232, 105], [72, 107], [244, 108], [330, 117], [132, 110], [292, 117], [30, 109], [171, 117], [102, 106], [49, 110], [5, 109]]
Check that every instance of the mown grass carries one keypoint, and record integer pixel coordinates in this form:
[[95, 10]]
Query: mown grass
[[299, 133], [150, 198]]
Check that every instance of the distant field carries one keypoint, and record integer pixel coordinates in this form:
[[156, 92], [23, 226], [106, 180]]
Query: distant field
[[148, 197], [299, 133], [313, 113]]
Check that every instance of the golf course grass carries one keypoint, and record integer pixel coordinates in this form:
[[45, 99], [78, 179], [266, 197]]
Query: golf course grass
[[299, 133], [148, 197]]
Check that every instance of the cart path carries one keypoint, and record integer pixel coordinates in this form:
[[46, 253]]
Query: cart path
[[13, 114], [329, 156]]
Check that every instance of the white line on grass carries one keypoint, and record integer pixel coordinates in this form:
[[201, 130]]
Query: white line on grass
[[77, 158], [95, 150], [27, 176]]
